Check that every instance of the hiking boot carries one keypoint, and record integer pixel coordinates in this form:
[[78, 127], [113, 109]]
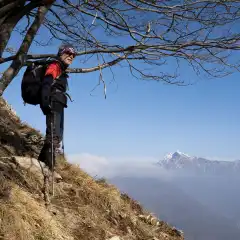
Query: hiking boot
[[46, 156]]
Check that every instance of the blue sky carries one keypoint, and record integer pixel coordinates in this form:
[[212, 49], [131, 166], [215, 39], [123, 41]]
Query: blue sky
[[143, 119]]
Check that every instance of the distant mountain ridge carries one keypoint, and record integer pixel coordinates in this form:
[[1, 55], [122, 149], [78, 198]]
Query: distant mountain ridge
[[179, 161], [201, 196]]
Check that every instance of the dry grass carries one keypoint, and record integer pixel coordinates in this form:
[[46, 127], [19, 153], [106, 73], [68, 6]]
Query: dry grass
[[102, 207], [82, 208], [23, 218], [16, 137]]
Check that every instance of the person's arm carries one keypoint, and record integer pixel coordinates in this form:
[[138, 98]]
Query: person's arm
[[46, 92], [51, 73]]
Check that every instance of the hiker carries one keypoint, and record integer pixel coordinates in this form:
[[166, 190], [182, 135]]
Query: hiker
[[53, 101]]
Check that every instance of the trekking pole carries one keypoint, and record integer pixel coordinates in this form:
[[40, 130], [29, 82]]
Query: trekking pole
[[52, 156]]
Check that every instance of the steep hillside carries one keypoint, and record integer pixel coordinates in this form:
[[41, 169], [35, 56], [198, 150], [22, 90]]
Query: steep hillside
[[82, 207]]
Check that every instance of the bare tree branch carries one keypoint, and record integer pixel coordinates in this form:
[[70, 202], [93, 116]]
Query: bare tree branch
[[102, 66], [204, 34]]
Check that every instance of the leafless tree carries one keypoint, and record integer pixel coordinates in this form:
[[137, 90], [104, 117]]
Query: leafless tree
[[204, 34]]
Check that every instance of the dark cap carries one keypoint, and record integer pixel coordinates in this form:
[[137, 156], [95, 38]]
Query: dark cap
[[67, 49]]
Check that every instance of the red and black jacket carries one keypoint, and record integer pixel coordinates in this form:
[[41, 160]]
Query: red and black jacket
[[54, 85]]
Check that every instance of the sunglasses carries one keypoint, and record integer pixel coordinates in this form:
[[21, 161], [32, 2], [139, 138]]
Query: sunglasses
[[69, 52]]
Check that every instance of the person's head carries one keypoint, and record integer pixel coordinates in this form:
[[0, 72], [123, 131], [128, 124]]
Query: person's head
[[66, 53]]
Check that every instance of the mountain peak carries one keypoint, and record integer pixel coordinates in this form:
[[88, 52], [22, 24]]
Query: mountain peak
[[182, 161], [176, 155]]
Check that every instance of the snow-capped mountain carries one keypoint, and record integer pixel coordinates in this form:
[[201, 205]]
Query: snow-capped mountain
[[183, 162]]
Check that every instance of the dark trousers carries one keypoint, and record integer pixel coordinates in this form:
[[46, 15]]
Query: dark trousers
[[54, 135]]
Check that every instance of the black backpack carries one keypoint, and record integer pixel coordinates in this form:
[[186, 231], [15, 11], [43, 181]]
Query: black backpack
[[32, 81]]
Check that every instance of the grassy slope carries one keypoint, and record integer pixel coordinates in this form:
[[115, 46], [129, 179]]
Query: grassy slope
[[82, 208]]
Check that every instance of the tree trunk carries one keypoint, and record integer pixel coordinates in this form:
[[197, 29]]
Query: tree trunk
[[9, 74], [17, 64], [8, 8], [11, 19], [5, 34]]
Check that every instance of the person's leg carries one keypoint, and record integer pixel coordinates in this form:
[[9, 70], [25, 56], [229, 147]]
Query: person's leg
[[47, 144], [53, 132]]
